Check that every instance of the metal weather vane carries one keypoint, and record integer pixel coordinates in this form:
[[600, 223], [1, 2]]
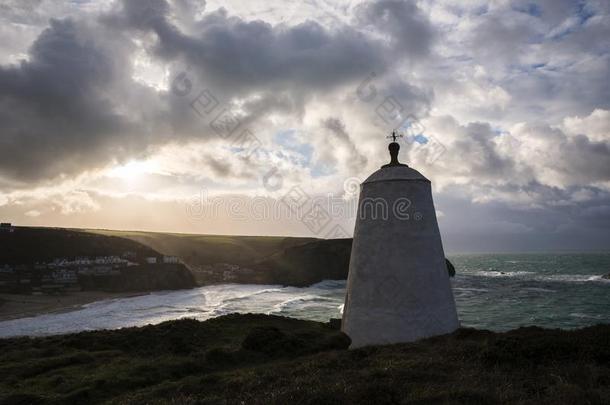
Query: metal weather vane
[[394, 136]]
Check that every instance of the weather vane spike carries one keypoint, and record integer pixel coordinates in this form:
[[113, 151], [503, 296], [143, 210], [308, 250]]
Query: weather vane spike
[[394, 136]]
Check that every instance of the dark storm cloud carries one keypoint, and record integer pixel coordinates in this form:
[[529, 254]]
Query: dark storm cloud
[[73, 104], [575, 218], [407, 29], [54, 113], [573, 159], [484, 159], [237, 56], [338, 135]]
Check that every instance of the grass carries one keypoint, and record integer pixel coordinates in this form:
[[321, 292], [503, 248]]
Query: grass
[[263, 359], [197, 250], [29, 245]]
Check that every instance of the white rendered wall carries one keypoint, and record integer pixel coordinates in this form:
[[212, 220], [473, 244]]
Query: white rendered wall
[[398, 288]]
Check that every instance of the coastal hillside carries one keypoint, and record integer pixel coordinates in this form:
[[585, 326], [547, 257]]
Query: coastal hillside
[[210, 259], [57, 261], [198, 250], [309, 263], [217, 259], [261, 359], [30, 245]]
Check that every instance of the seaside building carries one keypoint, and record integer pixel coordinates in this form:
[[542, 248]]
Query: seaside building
[[170, 259], [398, 288]]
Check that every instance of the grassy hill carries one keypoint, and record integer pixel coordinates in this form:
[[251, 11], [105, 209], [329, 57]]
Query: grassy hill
[[260, 359], [309, 263], [29, 245], [24, 247], [258, 259], [247, 259], [197, 250]]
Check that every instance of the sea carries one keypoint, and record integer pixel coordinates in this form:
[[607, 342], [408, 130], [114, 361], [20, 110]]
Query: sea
[[492, 291]]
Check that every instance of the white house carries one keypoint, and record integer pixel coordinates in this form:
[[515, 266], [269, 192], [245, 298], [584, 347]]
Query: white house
[[170, 259]]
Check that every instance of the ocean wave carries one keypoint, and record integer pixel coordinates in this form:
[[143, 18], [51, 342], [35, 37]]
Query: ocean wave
[[299, 302], [470, 289], [573, 278], [496, 273], [240, 295], [585, 316], [329, 284], [531, 275], [538, 289]]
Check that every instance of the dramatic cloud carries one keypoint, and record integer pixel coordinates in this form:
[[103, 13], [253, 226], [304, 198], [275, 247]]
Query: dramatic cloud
[[505, 107]]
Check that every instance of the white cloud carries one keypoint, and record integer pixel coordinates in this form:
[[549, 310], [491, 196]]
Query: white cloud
[[513, 94]]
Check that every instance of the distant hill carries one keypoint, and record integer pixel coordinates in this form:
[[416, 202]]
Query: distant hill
[[250, 259], [29, 245], [253, 259], [197, 250], [309, 263], [41, 260]]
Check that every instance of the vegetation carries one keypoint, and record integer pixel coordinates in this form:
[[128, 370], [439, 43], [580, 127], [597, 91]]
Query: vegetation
[[309, 263], [259, 359], [268, 259], [29, 245], [197, 250], [26, 246]]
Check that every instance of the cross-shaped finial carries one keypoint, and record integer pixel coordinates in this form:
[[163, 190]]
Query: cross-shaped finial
[[394, 136], [394, 147]]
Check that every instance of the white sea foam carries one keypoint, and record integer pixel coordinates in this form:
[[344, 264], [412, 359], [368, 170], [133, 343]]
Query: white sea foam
[[537, 289], [574, 278], [318, 302], [585, 316], [530, 275], [495, 273]]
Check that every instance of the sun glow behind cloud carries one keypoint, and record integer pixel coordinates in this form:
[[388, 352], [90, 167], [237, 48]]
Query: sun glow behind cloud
[[133, 170], [517, 99]]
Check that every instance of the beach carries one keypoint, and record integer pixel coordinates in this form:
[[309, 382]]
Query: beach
[[14, 306]]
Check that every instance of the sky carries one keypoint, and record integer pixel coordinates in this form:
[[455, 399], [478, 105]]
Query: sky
[[214, 117]]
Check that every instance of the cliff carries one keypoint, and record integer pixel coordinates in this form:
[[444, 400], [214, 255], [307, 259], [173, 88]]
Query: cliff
[[309, 263]]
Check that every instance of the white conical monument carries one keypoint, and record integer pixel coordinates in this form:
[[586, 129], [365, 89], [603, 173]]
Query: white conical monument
[[398, 288]]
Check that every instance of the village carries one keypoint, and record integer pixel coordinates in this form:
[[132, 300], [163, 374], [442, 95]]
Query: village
[[71, 274]]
